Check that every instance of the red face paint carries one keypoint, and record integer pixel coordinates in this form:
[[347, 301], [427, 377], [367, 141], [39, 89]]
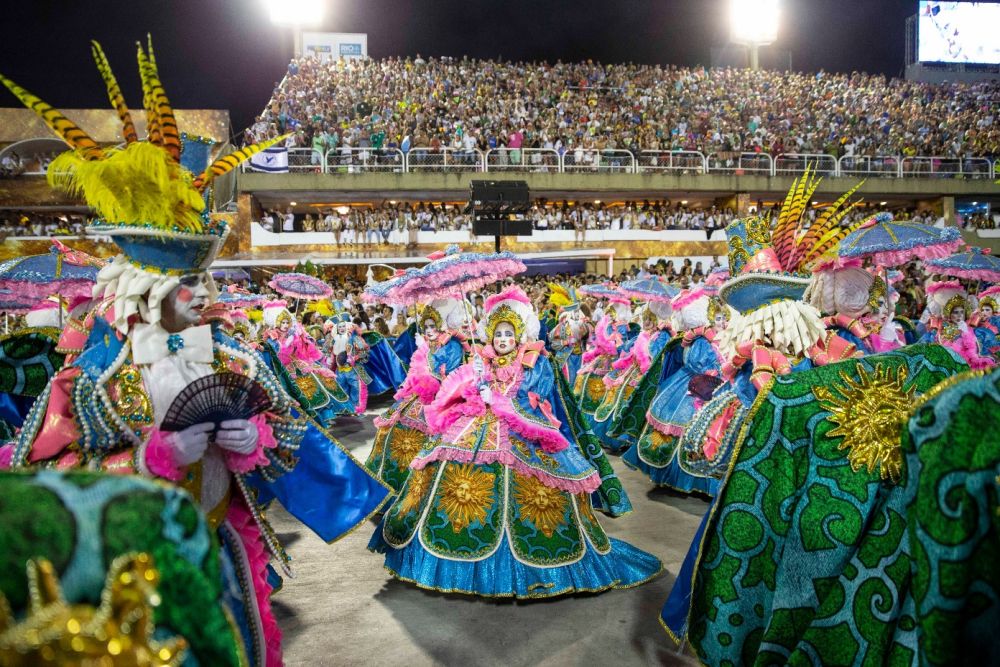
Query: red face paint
[[184, 295]]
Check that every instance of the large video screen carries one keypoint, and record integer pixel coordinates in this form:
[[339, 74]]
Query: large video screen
[[958, 32]]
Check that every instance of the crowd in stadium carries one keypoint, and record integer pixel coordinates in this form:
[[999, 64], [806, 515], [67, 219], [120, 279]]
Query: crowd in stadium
[[392, 223], [463, 104]]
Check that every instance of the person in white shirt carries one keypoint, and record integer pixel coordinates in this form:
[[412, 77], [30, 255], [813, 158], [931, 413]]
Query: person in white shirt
[[288, 223]]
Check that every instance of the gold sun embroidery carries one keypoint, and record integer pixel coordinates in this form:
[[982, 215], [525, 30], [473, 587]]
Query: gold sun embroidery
[[544, 506], [416, 486], [406, 444], [869, 415], [466, 495]]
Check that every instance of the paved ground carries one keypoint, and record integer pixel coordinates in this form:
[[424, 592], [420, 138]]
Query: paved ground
[[342, 607]]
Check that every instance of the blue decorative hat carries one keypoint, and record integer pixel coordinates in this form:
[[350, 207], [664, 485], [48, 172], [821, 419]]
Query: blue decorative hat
[[171, 252]]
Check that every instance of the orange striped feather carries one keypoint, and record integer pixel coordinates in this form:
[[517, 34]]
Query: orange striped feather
[[165, 113], [114, 92], [152, 120], [783, 235], [229, 162], [829, 218], [800, 203], [64, 127]]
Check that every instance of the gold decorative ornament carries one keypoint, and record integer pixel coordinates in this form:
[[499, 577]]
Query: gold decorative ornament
[[416, 488], [466, 495], [869, 414], [118, 632], [504, 313], [542, 505], [957, 301], [406, 444], [431, 313], [877, 291]]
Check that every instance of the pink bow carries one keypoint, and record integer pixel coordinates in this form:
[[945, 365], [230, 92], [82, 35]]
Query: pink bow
[[538, 403]]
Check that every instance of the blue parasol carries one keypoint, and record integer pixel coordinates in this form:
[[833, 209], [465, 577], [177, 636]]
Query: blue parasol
[[891, 243], [649, 288], [39, 276], [973, 264]]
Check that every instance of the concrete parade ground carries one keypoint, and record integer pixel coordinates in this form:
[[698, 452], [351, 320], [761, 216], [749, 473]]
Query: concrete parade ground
[[343, 608]]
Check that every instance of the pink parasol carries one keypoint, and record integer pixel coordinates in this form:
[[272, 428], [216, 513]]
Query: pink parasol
[[300, 286], [448, 274]]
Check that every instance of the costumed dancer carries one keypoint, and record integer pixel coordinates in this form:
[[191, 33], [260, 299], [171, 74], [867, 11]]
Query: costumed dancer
[[348, 354], [700, 316], [499, 504], [296, 359], [569, 332], [858, 305], [104, 411], [402, 429], [609, 342], [986, 323], [628, 371], [948, 305], [773, 332], [384, 368], [243, 329]]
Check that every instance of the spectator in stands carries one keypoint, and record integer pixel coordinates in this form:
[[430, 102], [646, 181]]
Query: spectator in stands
[[288, 222]]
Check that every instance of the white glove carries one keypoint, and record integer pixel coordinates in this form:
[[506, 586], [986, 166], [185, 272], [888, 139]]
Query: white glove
[[189, 445], [486, 394], [478, 365], [237, 435], [888, 331]]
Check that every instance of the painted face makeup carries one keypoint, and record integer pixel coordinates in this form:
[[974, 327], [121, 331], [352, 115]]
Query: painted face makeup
[[987, 311], [430, 329], [342, 328], [183, 305], [957, 315], [720, 321], [504, 341]]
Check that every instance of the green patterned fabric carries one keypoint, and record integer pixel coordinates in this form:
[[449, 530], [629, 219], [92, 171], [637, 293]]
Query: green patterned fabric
[[27, 360], [461, 512], [610, 497], [953, 459], [805, 560], [82, 521]]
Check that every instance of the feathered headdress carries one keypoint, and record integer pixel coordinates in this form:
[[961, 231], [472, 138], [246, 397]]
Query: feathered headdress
[[768, 264], [152, 207]]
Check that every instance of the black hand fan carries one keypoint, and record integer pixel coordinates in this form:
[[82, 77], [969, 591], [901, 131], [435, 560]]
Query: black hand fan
[[216, 398]]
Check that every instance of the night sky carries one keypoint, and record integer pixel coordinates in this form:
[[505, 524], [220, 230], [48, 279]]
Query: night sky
[[226, 54]]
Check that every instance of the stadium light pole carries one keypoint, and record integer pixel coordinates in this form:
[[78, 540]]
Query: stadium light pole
[[753, 23], [296, 14]]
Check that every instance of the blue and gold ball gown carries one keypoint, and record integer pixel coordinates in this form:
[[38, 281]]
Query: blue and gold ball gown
[[499, 504]]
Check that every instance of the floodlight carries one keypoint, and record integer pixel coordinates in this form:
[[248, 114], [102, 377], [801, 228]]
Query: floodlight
[[753, 22], [295, 12]]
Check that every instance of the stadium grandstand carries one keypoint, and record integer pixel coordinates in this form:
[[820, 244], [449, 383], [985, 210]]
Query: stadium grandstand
[[626, 163]]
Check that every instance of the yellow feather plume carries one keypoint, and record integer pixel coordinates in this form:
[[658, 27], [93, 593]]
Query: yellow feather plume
[[114, 92], [165, 119], [139, 184], [559, 295], [148, 102], [65, 128]]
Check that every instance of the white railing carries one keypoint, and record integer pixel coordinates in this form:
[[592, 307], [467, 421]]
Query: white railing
[[879, 166], [362, 160], [688, 162], [540, 160], [444, 159], [523, 159], [592, 159], [305, 160], [741, 163], [788, 164]]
